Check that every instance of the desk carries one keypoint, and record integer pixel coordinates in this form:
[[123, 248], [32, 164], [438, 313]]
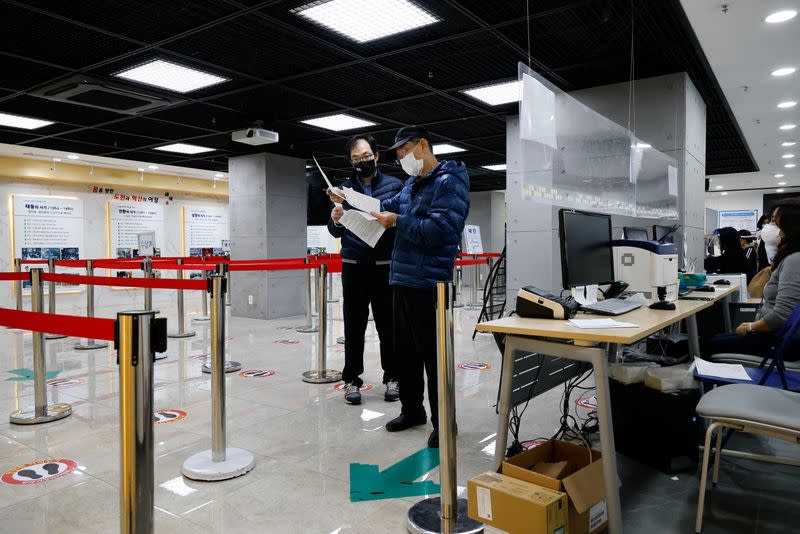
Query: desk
[[595, 346]]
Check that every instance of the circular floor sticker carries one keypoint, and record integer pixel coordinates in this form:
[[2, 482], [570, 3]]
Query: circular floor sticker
[[41, 471], [286, 341], [474, 366], [590, 403], [532, 444], [61, 383], [257, 373], [364, 387], [168, 416]]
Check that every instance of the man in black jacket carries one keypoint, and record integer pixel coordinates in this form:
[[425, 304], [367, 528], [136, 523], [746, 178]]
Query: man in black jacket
[[365, 275]]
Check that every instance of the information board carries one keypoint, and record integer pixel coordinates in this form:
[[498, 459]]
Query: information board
[[739, 219], [205, 228], [472, 239], [126, 220], [319, 240]]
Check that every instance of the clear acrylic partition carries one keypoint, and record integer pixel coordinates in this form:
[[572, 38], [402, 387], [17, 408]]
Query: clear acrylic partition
[[573, 157]]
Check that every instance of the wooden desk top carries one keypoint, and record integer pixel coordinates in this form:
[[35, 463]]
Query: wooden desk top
[[649, 321]]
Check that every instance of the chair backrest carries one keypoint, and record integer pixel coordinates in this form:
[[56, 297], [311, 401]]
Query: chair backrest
[[756, 286], [788, 333]]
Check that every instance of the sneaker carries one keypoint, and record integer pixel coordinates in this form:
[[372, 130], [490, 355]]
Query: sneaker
[[405, 421], [433, 440], [352, 395], [392, 391]]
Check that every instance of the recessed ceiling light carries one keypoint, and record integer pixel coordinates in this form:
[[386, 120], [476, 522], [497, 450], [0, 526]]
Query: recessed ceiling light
[[445, 148], [183, 148], [789, 143], [219, 175], [783, 71], [309, 167], [73, 156], [781, 16], [779, 190], [781, 183], [18, 121], [790, 166], [787, 156], [788, 126], [338, 122], [719, 187], [170, 76], [153, 167], [724, 193], [778, 175], [366, 20], [496, 167], [787, 104], [642, 146], [496, 93]]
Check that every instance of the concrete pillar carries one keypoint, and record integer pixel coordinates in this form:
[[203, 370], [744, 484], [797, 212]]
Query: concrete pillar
[[268, 199]]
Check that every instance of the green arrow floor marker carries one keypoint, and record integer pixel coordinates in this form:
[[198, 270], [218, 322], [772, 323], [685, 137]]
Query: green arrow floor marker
[[367, 483], [27, 374]]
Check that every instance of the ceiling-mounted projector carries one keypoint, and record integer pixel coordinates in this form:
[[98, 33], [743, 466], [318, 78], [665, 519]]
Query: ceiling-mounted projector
[[255, 136]]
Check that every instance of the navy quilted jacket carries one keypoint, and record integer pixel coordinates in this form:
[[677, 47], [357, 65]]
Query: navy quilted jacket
[[431, 213], [383, 187]]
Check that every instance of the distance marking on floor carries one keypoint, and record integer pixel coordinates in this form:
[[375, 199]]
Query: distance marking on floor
[[364, 387], [168, 416], [39, 471], [368, 483], [257, 373], [474, 366]]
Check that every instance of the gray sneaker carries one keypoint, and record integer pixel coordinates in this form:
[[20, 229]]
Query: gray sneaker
[[351, 394], [392, 391]]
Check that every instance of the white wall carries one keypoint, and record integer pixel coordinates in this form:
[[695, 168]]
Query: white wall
[[95, 240], [737, 200]]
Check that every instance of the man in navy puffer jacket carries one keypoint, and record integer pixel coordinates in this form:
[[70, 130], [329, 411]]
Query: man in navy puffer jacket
[[365, 275], [429, 215]]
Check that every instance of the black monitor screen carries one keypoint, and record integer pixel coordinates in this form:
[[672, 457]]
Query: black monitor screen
[[660, 231], [636, 234], [586, 256]]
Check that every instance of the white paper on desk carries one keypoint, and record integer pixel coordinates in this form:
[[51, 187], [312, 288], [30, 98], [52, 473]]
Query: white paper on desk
[[601, 323], [733, 371], [585, 295], [363, 225], [360, 201]]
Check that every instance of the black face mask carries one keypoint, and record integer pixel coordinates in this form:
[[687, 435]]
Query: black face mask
[[365, 168]]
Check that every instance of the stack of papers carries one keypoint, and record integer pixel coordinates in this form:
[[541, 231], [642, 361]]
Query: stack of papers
[[601, 323], [732, 371], [358, 220]]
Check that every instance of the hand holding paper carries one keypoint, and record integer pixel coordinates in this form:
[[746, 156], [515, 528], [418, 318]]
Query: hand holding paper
[[363, 225]]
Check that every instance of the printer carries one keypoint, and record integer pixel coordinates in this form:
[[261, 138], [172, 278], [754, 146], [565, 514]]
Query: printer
[[647, 266], [535, 302]]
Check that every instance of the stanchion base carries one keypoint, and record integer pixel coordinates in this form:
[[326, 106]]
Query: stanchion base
[[307, 329], [201, 318], [458, 305], [189, 333], [230, 367], [54, 336], [91, 346], [340, 340], [160, 356], [200, 466], [425, 517], [325, 377], [52, 412]]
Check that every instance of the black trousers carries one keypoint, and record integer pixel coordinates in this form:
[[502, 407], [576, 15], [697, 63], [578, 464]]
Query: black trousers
[[415, 331], [362, 285], [754, 344]]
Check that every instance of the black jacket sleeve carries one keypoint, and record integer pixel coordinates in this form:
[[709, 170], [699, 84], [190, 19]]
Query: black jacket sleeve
[[336, 231]]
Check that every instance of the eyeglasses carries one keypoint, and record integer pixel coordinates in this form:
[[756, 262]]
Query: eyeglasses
[[356, 161]]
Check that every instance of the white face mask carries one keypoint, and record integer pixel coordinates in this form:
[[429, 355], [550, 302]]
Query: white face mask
[[411, 165], [770, 233]]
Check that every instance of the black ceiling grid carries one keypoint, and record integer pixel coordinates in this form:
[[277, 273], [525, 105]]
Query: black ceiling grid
[[283, 68]]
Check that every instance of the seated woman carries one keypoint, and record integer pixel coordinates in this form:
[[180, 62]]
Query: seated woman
[[733, 259], [781, 295]]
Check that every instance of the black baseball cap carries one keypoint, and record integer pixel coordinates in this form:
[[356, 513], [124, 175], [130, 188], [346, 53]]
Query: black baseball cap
[[406, 133]]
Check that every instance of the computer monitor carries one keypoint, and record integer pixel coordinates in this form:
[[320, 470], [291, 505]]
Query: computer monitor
[[660, 231], [636, 234], [586, 256]]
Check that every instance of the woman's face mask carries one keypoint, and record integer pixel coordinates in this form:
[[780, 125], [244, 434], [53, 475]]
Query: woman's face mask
[[771, 234]]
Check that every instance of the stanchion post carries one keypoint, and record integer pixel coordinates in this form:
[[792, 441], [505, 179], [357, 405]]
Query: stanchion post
[[203, 317], [330, 288], [41, 412], [220, 462], [230, 365], [139, 335], [447, 513], [51, 297], [18, 283], [91, 344], [182, 332], [147, 269], [309, 326], [322, 375], [228, 286], [457, 303]]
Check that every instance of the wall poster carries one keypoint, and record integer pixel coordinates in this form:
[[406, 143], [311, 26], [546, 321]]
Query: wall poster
[[204, 230], [126, 220]]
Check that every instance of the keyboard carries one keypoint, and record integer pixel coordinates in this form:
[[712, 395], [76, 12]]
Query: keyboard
[[612, 307]]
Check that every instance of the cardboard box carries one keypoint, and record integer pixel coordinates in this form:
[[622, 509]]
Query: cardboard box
[[582, 481], [515, 506]]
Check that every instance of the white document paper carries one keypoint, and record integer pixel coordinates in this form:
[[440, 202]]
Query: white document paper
[[601, 323], [733, 371], [365, 226], [585, 295], [360, 201]]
